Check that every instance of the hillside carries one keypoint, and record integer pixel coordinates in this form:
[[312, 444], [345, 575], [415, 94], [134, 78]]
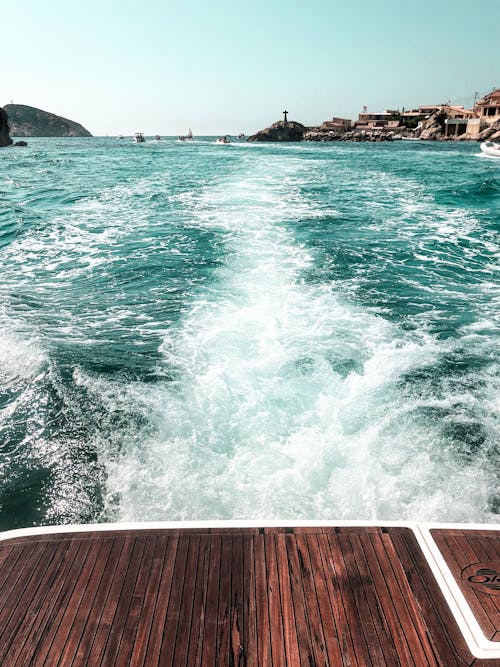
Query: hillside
[[25, 121]]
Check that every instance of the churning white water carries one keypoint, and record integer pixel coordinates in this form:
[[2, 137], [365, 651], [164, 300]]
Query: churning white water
[[285, 400]]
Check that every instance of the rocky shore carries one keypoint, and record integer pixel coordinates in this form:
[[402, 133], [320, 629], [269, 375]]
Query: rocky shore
[[5, 139], [433, 129], [317, 134]]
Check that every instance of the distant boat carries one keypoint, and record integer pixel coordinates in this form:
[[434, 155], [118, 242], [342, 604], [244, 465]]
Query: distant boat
[[490, 148], [241, 135], [157, 137], [120, 136], [139, 138], [410, 138], [186, 137], [222, 140]]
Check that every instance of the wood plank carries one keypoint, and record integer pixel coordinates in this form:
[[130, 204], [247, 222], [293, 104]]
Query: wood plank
[[264, 657], [238, 648], [292, 648], [223, 649], [209, 653], [249, 602]]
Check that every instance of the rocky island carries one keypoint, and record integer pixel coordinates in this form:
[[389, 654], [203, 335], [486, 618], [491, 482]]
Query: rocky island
[[26, 121], [281, 131]]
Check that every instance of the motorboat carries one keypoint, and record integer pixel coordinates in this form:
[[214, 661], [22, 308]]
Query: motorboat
[[222, 140], [410, 138], [186, 137], [490, 148], [139, 138], [157, 137], [120, 136]]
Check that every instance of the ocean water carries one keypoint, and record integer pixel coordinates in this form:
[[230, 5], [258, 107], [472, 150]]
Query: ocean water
[[194, 331]]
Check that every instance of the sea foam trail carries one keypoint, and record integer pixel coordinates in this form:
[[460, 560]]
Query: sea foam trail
[[286, 400]]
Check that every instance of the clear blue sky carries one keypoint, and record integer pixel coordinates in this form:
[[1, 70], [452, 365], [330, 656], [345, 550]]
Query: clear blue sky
[[225, 66]]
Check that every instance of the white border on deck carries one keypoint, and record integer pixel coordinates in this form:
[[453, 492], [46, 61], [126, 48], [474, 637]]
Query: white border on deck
[[478, 644]]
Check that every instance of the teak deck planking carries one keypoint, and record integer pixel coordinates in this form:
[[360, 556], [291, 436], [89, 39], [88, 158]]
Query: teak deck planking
[[466, 553], [237, 597]]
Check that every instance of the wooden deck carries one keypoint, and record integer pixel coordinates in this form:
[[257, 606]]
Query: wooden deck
[[256, 596], [474, 559]]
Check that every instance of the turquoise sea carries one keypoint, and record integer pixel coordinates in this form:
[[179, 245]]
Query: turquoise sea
[[196, 331]]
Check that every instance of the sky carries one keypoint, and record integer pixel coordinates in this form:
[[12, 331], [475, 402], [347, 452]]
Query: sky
[[230, 66]]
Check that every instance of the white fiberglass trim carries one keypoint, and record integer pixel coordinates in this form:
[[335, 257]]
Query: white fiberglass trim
[[478, 644], [165, 525]]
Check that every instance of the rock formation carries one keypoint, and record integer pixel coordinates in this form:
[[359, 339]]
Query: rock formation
[[433, 127], [28, 121], [490, 133], [5, 139], [281, 131]]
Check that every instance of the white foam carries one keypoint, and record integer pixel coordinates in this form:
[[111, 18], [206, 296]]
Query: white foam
[[286, 399]]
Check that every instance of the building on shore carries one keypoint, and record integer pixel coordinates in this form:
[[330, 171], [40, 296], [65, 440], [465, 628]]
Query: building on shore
[[488, 107], [389, 119], [337, 124]]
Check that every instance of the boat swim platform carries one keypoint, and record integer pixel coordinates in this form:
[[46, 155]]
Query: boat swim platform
[[251, 594]]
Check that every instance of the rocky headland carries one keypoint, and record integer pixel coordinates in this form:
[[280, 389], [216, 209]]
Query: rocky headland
[[5, 139], [26, 121]]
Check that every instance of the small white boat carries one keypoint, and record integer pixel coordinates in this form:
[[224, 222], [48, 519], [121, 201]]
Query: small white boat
[[139, 138], [490, 148], [222, 140], [410, 138]]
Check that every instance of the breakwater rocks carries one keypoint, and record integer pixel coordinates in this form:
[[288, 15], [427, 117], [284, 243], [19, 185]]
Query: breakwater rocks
[[281, 131], [28, 121], [5, 139], [293, 131], [315, 134]]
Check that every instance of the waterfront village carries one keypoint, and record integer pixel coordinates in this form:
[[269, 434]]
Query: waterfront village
[[447, 122]]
